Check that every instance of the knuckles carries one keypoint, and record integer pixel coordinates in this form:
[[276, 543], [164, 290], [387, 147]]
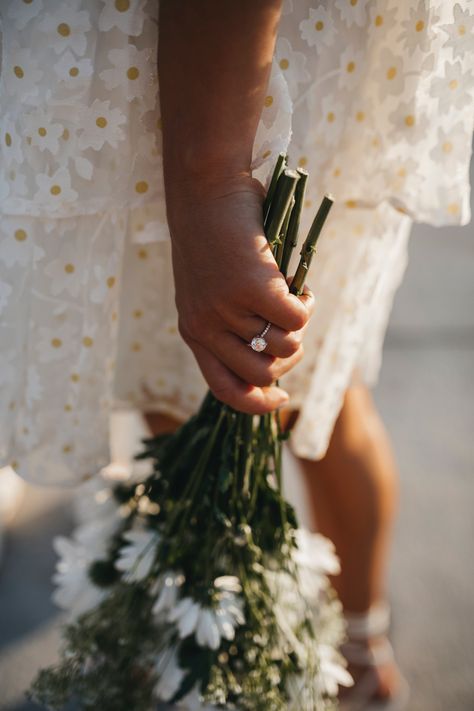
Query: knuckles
[[292, 344]]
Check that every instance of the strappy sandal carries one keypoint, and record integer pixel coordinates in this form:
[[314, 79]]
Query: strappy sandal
[[372, 625]]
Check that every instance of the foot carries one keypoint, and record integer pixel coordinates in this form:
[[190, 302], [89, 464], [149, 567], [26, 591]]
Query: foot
[[384, 679], [378, 683]]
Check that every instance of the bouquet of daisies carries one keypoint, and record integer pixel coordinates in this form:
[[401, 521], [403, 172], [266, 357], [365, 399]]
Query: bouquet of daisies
[[193, 584]]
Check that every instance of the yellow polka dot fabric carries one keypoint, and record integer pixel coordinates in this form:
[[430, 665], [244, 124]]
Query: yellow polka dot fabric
[[373, 99]]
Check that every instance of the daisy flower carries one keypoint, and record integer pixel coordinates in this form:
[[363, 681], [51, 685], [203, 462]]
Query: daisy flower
[[22, 75], [318, 30], [292, 64], [460, 32], [56, 343], [136, 558], [459, 83], [417, 31], [390, 75], [410, 121], [353, 12], [100, 124], [54, 191], [17, 244], [450, 147], [332, 119], [350, 67], [75, 591], [43, 133], [66, 29], [133, 71], [10, 142], [72, 70], [127, 15], [208, 624]]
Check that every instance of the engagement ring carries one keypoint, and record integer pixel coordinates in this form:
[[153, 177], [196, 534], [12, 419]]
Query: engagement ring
[[259, 343]]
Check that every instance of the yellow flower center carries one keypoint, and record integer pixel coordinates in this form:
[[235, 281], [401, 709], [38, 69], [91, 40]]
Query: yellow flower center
[[56, 342], [20, 235], [122, 5], [69, 268], [419, 26], [55, 189], [8, 139], [410, 120], [42, 131], [378, 21], [391, 73], [18, 71], [73, 72], [319, 25], [133, 73], [141, 186], [284, 64], [350, 67], [63, 29], [101, 121]]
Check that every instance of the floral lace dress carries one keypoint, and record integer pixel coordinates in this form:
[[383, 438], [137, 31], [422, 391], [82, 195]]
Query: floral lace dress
[[373, 97]]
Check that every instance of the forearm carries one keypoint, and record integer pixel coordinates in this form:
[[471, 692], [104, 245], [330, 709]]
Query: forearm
[[214, 61]]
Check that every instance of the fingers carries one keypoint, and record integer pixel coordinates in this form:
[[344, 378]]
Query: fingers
[[289, 312], [231, 390], [281, 343], [255, 368]]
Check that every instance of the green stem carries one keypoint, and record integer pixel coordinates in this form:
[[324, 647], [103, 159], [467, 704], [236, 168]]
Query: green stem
[[291, 239], [279, 206], [279, 167], [283, 233], [195, 477], [309, 246]]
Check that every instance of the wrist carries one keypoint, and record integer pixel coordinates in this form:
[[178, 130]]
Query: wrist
[[189, 194]]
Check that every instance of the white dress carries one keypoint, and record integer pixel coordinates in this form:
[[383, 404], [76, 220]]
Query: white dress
[[373, 97]]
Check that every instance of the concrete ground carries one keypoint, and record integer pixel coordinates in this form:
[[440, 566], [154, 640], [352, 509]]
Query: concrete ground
[[426, 395]]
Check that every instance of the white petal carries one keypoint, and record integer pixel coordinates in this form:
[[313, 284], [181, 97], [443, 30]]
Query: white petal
[[187, 623], [225, 624], [231, 583], [207, 632]]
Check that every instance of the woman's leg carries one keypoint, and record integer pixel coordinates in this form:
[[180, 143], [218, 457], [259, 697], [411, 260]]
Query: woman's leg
[[353, 494]]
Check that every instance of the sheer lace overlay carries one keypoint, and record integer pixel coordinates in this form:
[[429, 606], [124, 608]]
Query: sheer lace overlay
[[374, 98]]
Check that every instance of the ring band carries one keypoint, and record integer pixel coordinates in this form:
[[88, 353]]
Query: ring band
[[259, 343]]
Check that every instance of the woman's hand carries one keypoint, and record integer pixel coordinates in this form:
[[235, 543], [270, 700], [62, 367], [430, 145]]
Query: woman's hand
[[228, 286]]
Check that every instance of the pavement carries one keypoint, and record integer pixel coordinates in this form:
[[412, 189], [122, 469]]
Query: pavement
[[426, 396]]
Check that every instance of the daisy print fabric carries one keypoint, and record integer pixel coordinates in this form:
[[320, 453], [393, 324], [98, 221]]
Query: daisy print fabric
[[373, 97]]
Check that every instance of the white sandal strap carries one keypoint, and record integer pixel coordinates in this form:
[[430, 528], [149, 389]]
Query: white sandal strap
[[373, 623], [376, 655]]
